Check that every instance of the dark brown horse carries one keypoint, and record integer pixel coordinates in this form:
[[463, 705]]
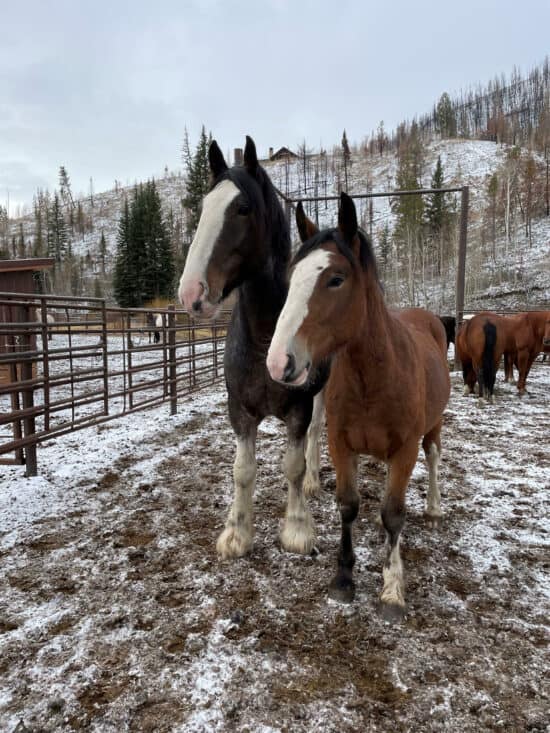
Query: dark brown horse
[[388, 386], [242, 243]]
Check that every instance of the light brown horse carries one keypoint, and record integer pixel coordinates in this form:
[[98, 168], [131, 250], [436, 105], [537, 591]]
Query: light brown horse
[[388, 385], [531, 335]]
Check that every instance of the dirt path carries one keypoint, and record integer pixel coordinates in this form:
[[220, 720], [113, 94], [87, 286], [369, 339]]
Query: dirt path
[[115, 614]]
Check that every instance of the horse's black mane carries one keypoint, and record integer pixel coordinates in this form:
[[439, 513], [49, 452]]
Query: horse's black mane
[[252, 187], [367, 259]]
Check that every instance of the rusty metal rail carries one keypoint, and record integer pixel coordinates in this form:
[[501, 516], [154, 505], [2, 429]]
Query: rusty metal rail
[[68, 363]]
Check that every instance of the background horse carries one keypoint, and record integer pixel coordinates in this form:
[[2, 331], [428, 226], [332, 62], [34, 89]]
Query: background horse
[[154, 323], [480, 343], [449, 324], [388, 385], [532, 335], [243, 242]]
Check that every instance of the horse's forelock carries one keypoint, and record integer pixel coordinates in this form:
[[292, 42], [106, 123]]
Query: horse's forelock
[[366, 254]]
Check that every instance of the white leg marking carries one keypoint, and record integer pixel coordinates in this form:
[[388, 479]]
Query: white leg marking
[[312, 484], [393, 591], [467, 391], [433, 502], [298, 532], [236, 538]]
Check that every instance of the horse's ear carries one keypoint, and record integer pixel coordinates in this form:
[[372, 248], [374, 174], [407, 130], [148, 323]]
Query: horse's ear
[[306, 228], [347, 217], [216, 159], [250, 156]]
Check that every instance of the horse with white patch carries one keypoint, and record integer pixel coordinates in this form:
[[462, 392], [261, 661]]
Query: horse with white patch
[[388, 384], [242, 243]]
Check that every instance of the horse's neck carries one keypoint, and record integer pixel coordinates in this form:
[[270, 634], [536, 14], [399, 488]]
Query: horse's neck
[[372, 351], [261, 299]]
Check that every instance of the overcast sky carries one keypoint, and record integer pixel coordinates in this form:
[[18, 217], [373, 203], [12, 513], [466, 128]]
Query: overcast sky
[[106, 88]]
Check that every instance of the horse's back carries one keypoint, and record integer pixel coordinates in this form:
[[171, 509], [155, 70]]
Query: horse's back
[[427, 323]]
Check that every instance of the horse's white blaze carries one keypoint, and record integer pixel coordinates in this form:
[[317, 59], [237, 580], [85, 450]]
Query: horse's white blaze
[[433, 508], [302, 284], [393, 579], [214, 206]]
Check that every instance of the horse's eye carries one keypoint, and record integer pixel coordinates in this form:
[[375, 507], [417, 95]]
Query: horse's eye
[[335, 281], [243, 210]]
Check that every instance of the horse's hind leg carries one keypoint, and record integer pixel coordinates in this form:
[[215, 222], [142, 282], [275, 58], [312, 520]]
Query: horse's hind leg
[[312, 485], [392, 598], [236, 539], [298, 532], [432, 450]]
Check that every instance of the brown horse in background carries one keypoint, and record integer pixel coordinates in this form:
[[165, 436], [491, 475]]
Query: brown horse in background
[[531, 336], [388, 385], [480, 344]]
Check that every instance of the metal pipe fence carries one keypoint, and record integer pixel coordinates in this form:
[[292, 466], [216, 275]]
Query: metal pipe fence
[[69, 363]]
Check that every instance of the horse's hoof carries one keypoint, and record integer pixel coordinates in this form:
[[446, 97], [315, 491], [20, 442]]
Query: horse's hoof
[[391, 612], [233, 543], [342, 591], [433, 521], [466, 391], [312, 486], [298, 535]]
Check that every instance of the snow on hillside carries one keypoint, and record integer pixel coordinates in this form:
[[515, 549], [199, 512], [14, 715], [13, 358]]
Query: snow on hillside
[[519, 279]]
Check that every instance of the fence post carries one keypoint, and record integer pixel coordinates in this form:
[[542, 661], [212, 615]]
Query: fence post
[[461, 262], [28, 398], [129, 359], [105, 358], [45, 363], [172, 359]]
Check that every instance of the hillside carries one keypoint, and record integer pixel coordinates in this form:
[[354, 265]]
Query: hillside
[[513, 273]]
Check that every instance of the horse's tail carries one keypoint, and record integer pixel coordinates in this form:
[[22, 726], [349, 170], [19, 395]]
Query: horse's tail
[[488, 359]]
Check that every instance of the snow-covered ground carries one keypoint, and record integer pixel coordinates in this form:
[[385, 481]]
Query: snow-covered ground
[[115, 614]]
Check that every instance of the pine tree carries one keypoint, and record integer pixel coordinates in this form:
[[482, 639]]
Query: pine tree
[[445, 116], [65, 188], [38, 243], [57, 234], [438, 216], [102, 252], [198, 181], [346, 157], [124, 277], [144, 267], [21, 251]]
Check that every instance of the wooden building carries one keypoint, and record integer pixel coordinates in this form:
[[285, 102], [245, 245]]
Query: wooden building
[[17, 276]]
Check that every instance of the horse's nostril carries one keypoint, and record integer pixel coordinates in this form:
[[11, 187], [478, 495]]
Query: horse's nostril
[[290, 367], [197, 306]]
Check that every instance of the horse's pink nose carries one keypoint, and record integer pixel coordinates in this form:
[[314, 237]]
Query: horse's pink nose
[[277, 362], [190, 293]]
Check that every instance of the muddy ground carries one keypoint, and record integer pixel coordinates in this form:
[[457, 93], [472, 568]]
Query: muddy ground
[[115, 614]]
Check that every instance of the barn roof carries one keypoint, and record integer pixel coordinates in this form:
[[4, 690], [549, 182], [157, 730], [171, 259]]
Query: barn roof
[[36, 263]]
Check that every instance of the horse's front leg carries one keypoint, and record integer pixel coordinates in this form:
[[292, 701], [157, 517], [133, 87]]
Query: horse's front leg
[[312, 484], [298, 532], [392, 598], [342, 586], [237, 537]]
